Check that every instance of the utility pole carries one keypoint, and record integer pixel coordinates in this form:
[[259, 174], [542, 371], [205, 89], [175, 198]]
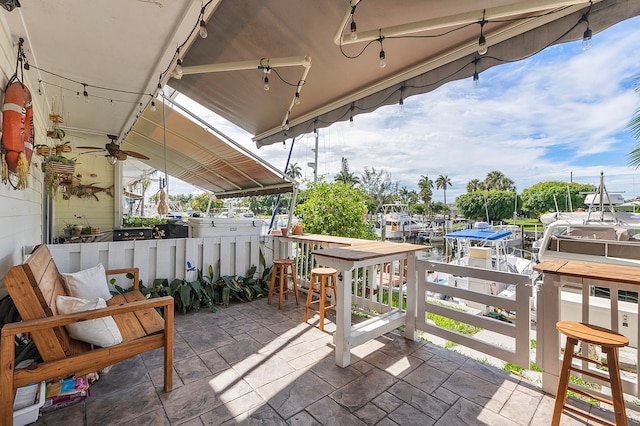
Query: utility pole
[[315, 169], [314, 164]]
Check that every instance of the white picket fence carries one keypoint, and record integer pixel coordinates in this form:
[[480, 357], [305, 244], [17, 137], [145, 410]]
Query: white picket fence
[[167, 258]]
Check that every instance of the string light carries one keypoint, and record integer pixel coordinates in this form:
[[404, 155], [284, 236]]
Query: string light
[[179, 67], [401, 102], [203, 26], [85, 94], [382, 62], [476, 76], [586, 36], [354, 28], [153, 106], [482, 41], [296, 100], [266, 83], [351, 123]]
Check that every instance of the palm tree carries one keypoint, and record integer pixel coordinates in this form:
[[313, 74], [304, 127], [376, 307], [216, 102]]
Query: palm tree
[[345, 176], [294, 171], [474, 185], [426, 190], [443, 182], [491, 182], [634, 126]]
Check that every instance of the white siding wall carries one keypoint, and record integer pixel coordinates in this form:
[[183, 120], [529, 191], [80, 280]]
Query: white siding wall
[[20, 211]]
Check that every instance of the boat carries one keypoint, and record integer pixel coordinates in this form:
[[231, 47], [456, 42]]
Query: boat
[[395, 223], [487, 248], [600, 234]]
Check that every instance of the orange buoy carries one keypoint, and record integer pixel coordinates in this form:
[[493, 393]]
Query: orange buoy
[[17, 125]]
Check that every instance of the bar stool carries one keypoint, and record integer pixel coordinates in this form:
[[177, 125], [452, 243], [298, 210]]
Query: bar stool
[[610, 341], [282, 270], [323, 278]]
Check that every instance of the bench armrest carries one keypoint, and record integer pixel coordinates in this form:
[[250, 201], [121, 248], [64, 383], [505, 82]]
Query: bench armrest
[[60, 320], [134, 271]]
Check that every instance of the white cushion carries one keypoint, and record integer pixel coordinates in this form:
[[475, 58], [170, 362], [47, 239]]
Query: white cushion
[[88, 284], [100, 331]]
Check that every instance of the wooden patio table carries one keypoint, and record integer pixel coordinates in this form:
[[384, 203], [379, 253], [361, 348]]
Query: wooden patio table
[[363, 254]]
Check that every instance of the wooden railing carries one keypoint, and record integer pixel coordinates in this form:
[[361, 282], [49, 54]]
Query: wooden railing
[[507, 319]]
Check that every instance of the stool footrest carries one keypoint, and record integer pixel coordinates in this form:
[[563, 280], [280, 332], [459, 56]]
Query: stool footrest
[[587, 415], [590, 374], [592, 361], [590, 395]]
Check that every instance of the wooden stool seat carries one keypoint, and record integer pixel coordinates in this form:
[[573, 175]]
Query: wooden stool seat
[[610, 341], [322, 278], [282, 270]]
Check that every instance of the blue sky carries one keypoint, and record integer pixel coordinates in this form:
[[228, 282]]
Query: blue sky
[[559, 113]]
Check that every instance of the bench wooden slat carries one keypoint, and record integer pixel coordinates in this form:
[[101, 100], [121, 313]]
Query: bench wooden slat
[[29, 307], [127, 323], [149, 318]]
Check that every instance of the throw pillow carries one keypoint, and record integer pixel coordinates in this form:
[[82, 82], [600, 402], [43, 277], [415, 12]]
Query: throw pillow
[[88, 284], [100, 331]]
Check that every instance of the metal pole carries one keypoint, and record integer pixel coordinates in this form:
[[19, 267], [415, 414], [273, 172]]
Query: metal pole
[[315, 169]]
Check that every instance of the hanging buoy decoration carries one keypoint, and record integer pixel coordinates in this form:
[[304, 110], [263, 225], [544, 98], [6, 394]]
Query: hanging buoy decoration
[[17, 130], [17, 133]]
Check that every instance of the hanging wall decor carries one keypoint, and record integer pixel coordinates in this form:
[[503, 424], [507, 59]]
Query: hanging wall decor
[[17, 128]]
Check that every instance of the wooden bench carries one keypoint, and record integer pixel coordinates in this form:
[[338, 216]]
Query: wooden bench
[[34, 286]]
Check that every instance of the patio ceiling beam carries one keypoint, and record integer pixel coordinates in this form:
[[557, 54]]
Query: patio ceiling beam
[[500, 12], [265, 64]]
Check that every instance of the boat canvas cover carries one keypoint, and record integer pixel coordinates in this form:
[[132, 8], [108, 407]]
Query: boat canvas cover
[[477, 234]]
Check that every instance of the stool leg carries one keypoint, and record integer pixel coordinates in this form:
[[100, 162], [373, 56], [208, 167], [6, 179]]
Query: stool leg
[[616, 386], [312, 284], [563, 381], [272, 284], [323, 296], [283, 278], [295, 285]]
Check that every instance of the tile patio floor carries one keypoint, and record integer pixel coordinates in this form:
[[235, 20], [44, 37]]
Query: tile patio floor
[[253, 364]]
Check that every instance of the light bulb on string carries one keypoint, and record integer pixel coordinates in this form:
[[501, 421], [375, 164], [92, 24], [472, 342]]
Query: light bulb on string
[[401, 103], [476, 80], [85, 94], [179, 67], [382, 62], [351, 123], [482, 45], [586, 39], [354, 30], [296, 100], [203, 29], [153, 106], [266, 83]]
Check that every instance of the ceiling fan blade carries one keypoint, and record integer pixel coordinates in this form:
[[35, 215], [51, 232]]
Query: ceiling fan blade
[[94, 150], [89, 147], [121, 155], [136, 155]]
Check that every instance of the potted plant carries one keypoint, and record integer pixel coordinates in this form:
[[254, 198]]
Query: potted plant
[[57, 169]]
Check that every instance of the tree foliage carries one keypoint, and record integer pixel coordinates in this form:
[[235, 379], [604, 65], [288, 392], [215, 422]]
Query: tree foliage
[[634, 126], [336, 209], [377, 185], [345, 175], [499, 204], [443, 182], [542, 197]]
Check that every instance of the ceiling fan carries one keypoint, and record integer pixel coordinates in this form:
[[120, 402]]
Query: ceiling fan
[[113, 151]]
